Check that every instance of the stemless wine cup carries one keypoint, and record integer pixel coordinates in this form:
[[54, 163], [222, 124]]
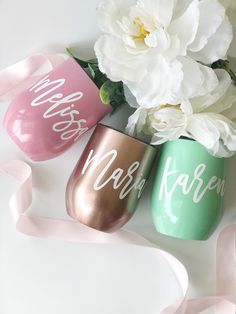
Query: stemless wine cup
[[106, 184], [55, 112], [187, 197]]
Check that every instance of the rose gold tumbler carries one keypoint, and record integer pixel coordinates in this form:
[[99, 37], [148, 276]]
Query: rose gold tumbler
[[108, 180]]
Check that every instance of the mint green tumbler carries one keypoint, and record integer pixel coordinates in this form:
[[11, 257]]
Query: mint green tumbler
[[188, 193]]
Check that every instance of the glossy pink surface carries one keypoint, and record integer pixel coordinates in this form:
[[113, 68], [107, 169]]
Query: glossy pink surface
[[45, 120]]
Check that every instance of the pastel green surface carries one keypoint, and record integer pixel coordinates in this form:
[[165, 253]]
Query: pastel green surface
[[187, 197]]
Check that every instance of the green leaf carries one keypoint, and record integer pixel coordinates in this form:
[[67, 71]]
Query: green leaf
[[110, 91], [91, 70], [105, 93], [93, 61], [113, 93], [100, 79]]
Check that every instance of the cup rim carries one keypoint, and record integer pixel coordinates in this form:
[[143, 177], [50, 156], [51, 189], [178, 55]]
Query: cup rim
[[126, 135], [77, 63]]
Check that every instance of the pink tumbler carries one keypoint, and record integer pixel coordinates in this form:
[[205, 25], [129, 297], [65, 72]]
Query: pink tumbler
[[48, 118]]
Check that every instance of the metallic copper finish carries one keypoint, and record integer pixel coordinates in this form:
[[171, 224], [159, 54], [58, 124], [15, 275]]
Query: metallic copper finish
[[108, 180]]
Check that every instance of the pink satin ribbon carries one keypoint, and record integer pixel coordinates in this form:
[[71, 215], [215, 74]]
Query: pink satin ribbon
[[67, 230], [26, 72], [20, 76]]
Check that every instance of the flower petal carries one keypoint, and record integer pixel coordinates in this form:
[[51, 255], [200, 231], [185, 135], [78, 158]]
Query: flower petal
[[213, 100], [158, 39], [211, 97], [185, 27], [160, 85], [116, 62], [130, 97], [180, 7], [192, 77], [217, 46], [109, 12], [212, 14], [197, 79], [136, 121], [161, 10], [168, 123], [210, 81]]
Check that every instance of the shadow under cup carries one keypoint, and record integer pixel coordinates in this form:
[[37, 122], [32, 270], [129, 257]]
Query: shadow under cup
[[107, 182], [188, 194]]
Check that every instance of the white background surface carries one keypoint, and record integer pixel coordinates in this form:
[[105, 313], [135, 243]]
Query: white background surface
[[44, 276]]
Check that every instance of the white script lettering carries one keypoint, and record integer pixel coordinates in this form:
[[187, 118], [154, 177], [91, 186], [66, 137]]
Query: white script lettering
[[128, 183], [187, 185], [44, 89]]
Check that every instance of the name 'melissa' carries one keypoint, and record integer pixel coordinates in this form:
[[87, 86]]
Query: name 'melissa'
[[70, 126]]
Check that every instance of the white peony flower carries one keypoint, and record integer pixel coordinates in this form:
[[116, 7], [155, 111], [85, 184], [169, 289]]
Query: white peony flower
[[151, 46], [206, 119]]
